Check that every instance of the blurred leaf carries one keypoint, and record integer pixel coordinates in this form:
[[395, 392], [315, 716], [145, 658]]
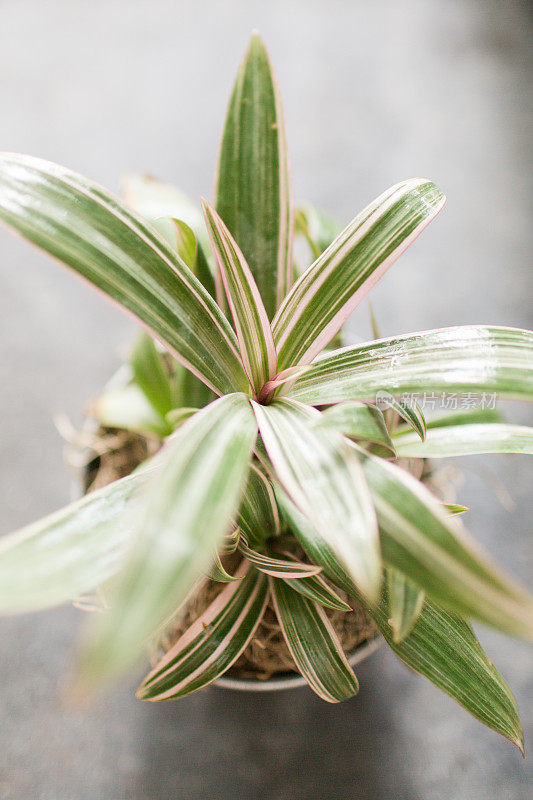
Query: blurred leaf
[[186, 513], [150, 374], [180, 237], [360, 421], [405, 604], [454, 509], [128, 407]]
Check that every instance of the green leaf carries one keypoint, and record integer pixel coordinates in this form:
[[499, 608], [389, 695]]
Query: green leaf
[[325, 295], [316, 227], [186, 513], [454, 509], [421, 540], [464, 418], [212, 643], [259, 517], [178, 416], [471, 359], [150, 374], [158, 202], [89, 230], [406, 601], [444, 649], [313, 644], [128, 407], [316, 589], [219, 574], [317, 468], [253, 194], [277, 567], [467, 440], [250, 318], [441, 646], [180, 237], [360, 421], [71, 552]]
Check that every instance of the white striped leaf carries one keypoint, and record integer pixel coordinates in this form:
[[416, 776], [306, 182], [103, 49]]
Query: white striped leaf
[[187, 511], [277, 567], [90, 230], [318, 590], [325, 295], [313, 644], [253, 193], [71, 552], [420, 539], [258, 517], [213, 643], [250, 318], [467, 440], [360, 421], [468, 417], [318, 470], [470, 359], [217, 572], [441, 646], [406, 601], [409, 412]]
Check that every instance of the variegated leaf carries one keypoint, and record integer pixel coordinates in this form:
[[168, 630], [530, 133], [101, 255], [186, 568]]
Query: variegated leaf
[[253, 193], [259, 517], [467, 440], [128, 407], [186, 513], [90, 230], [469, 359], [277, 567], [406, 601], [313, 644], [212, 643], [250, 318], [431, 548], [320, 473], [441, 646], [71, 552], [325, 295], [410, 412]]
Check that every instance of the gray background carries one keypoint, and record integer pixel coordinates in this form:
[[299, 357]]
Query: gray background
[[375, 92]]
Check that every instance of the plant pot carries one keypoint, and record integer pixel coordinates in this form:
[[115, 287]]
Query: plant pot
[[79, 456]]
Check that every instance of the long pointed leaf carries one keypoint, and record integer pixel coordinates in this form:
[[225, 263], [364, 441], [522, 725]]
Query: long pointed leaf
[[313, 644], [88, 229], [442, 647], [250, 318], [70, 552], [277, 567], [469, 359], [150, 374], [259, 517], [318, 470], [359, 421], [253, 193], [213, 643], [467, 440], [431, 548], [326, 294], [187, 511]]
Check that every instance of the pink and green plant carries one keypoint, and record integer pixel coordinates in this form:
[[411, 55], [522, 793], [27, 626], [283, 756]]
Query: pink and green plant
[[266, 432]]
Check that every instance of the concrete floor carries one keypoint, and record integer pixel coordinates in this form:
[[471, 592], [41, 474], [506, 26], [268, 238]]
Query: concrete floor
[[375, 92]]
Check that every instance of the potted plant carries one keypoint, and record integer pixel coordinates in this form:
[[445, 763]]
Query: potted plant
[[268, 482]]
